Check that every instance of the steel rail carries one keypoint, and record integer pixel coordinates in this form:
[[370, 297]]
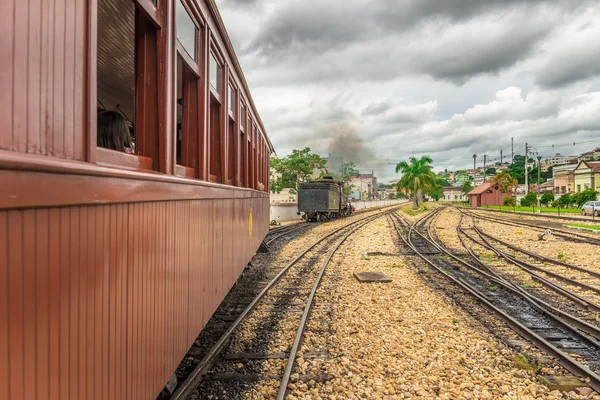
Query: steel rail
[[529, 268], [284, 233], [542, 258], [194, 379], [571, 236], [577, 322], [568, 362], [306, 314]]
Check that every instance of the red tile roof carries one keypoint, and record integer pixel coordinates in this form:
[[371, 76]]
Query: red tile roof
[[480, 189]]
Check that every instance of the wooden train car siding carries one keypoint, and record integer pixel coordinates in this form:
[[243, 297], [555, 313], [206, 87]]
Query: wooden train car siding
[[109, 271], [104, 301], [43, 96]]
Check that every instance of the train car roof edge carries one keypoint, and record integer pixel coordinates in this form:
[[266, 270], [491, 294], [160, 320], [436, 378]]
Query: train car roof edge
[[223, 31]]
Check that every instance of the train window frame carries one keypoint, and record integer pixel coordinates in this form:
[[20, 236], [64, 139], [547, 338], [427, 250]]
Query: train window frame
[[187, 163], [216, 136], [232, 141], [243, 137], [147, 47]]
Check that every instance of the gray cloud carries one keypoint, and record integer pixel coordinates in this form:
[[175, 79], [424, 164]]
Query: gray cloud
[[377, 81]]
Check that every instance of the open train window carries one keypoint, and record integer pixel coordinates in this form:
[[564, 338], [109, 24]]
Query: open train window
[[127, 127], [187, 84], [214, 119]]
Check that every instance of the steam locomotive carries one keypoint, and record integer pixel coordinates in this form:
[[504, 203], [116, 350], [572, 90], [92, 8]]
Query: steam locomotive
[[322, 200]]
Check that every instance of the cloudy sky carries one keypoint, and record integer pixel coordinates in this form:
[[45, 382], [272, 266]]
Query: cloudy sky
[[377, 81]]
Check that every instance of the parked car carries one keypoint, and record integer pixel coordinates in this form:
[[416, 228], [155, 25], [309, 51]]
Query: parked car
[[591, 208]]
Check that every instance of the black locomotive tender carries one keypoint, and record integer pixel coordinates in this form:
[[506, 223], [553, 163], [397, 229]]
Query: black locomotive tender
[[322, 200]]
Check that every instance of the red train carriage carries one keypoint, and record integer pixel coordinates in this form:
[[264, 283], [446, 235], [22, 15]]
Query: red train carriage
[[113, 258]]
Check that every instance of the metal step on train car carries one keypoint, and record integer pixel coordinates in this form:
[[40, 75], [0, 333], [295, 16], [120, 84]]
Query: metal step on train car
[[322, 200]]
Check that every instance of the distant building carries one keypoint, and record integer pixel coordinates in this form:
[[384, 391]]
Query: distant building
[[461, 179], [283, 197], [453, 193], [590, 155], [486, 195], [366, 185], [587, 176], [572, 159], [556, 159], [563, 178], [547, 187]]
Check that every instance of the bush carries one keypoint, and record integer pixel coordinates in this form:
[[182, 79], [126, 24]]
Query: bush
[[547, 198], [509, 201], [529, 200], [554, 204]]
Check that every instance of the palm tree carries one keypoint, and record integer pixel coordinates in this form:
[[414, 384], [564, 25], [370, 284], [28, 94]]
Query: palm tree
[[506, 182], [416, 176]]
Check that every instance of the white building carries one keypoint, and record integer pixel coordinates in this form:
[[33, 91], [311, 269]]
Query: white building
[[556, 159], [453, 193]]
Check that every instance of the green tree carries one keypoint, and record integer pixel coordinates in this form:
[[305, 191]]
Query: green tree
[[466, 188], [582, 197], [547, 198], [565, 200], [505, 181], [294, 169], [529, 200], [490, 171], [417, 176]]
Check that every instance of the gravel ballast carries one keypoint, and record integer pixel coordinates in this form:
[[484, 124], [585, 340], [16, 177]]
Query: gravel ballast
[[402, 339]]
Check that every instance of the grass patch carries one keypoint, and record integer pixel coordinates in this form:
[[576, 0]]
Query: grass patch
[[522, 362], [535, 209], [489, 257], [455, 320], [561, 256], [593, 227], [531, 284], [444, 257], [395, 265], [492, 288], [366, 258], [422, 208]]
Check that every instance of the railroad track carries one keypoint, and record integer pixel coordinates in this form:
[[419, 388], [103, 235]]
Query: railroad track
[[565, 337], [284, 231], [277, 317], [583, 289], [564, 234]]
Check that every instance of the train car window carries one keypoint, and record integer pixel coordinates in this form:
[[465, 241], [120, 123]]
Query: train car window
[[127, 43], [187, 31], [243, 148], [232, 161], [187, 86], [217, 142], [215, 74]]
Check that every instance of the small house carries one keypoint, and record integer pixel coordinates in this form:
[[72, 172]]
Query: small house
[[486, 195]]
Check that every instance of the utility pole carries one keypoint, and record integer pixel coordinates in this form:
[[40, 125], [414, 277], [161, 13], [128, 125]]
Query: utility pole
[[474, 162], [484, 162], [538, 185], [512, 150], [526, 171], [500, 157]]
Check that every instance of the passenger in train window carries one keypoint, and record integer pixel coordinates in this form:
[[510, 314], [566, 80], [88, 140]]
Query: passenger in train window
[[113, 132]]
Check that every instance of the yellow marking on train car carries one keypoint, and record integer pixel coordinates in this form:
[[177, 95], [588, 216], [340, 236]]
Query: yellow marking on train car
[[250, 223]]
